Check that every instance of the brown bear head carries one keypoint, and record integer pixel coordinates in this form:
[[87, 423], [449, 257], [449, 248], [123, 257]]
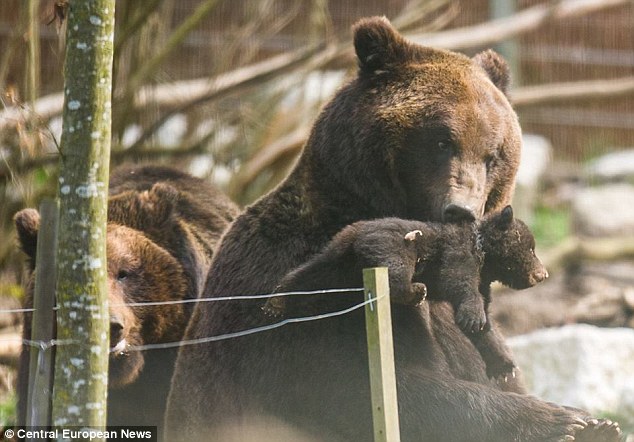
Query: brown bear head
[[156, 212], [433, 129], [139, 271], [509, 251]]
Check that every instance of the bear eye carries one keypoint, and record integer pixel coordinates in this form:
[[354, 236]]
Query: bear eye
[[444, 150], [445, 146], [122, 275]]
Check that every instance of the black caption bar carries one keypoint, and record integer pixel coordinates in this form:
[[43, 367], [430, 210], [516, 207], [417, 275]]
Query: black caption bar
[[148, 434]]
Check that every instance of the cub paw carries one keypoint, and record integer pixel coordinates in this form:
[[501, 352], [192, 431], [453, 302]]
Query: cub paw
[[502, 372], [470, 317], [411, 295], [500, 366], [419, 292], [274, 307]]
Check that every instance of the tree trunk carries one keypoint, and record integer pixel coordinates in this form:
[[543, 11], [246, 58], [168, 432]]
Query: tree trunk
[[81, 368]]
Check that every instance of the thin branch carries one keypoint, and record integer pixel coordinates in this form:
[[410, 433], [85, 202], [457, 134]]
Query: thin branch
[[407, 20], [529, 19], [225, 84], [173, 43], [268, 155], [136, 24], [572, 91], [32, 69], [29, 164]]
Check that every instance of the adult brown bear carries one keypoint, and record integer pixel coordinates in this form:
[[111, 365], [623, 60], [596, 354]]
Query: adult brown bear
[[163, 226], [418, 134]]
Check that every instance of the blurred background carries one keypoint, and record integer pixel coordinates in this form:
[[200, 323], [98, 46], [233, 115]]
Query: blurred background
[[228, 91]]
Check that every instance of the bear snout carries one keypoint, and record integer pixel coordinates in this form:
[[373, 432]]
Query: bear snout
[[454, 213], [116, 331], [538, 276]]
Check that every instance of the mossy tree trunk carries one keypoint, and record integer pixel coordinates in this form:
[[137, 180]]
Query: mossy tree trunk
[[81, 368]]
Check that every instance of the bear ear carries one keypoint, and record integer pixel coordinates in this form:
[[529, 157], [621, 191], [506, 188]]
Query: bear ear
[[377, 44], [495, 67], [148, 209], [506, 216], [27, 225], [162, 200]]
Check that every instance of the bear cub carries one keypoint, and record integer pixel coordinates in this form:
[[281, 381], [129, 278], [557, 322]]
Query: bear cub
[[455, 262]]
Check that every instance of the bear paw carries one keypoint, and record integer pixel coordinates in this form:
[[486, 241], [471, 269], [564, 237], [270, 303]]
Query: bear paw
[[413, 294], [567, 429], [470, 317], [501, 368], [419, 291], [503, 373], [274, 307], [599, 430]]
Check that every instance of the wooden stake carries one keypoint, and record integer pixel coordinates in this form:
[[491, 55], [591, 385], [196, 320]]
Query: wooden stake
[[381, 355], [38, 411]]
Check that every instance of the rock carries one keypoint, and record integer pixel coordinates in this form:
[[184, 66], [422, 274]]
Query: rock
[[613, 166], [596, 293], [536, 154], [628, 297], [546, 305], [604, 211], [579, 365], [626, 411]]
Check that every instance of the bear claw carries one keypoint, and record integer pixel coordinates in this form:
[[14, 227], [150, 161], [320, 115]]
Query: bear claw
[[599, 430], [271, 312], [411, 236]]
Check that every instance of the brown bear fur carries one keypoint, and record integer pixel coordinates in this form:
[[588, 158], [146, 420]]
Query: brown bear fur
[[457, 261], [418, 134], [163, 226]]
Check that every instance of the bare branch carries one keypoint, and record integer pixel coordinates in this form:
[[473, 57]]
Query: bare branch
[[268, 155], [231, 82], [572, 91], [529, 19], [174, 42]]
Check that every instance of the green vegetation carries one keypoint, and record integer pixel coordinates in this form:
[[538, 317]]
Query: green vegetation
[[7, 410], [550, 225]]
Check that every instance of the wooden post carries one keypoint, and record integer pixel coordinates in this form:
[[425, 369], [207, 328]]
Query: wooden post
[[381, 355], [38, 408]]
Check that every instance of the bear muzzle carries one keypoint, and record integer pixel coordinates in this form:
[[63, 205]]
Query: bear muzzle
[[538, 276], [116, 336], [455, 213]]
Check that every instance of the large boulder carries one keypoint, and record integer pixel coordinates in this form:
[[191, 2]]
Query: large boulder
[[605, 210], [580, 365], [536, 155], [613, 166]]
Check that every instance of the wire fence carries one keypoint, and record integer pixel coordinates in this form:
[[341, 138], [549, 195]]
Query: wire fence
[[45, 345]]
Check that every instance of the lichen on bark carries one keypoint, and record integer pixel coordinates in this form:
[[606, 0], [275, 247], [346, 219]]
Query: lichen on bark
[[79, 396]]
